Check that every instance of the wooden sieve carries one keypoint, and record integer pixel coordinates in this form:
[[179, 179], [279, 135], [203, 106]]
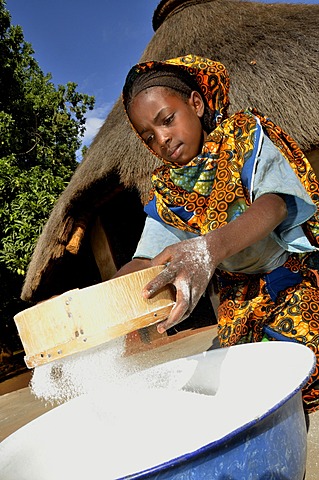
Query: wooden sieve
[[83, 318]]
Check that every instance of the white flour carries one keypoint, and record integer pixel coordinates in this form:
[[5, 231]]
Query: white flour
[[114, 408], [82, 373], [109, 436], [96, 370], [126, 425]]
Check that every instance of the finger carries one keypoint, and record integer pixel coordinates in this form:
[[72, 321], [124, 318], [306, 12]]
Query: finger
[[179, 312], [162, 258], [160, 281], [176, 316]]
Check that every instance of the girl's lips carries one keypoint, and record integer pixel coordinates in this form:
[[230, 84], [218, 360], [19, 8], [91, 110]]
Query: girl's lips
[[175, 152]]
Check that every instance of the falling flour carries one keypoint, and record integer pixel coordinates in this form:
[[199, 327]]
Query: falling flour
[[81, 373], [97, 369]]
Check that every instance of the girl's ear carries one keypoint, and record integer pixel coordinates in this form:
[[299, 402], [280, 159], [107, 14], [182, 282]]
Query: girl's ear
[[197, 102]]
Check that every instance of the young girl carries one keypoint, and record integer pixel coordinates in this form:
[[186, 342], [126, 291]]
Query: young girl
[[235, 199]]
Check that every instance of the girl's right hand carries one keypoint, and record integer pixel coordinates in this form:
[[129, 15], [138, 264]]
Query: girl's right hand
[[189, 267]]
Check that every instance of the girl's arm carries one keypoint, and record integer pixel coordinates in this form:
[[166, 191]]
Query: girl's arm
[[192, 263], [133, 266]]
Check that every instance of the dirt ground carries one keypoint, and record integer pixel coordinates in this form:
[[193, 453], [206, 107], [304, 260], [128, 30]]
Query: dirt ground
[[18, 406]]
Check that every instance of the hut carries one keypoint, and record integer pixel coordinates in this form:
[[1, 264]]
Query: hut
[[271, 52]]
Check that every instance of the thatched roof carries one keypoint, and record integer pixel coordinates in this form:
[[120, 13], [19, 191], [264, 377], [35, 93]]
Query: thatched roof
[[271, 52]]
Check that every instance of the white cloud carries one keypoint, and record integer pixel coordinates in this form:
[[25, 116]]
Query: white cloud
[[94, 120], [92, 126]]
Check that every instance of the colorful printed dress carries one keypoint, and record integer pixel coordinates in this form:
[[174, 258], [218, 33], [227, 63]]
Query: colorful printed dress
[[270, 289]]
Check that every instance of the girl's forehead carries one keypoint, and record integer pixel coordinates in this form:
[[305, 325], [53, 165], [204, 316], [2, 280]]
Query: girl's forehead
[[153, 99], [157, 94]]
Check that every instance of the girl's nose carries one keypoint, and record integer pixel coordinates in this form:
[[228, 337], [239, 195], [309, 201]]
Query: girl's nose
[[163, 139]]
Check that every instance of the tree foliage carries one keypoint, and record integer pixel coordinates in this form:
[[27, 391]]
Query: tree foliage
[[40, 131]]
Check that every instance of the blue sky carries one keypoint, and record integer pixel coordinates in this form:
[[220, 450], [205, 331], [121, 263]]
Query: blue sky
[[92, 43]]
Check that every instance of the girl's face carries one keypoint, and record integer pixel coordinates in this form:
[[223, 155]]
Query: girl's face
[[169, 124]]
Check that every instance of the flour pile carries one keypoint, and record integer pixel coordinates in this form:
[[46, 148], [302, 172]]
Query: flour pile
[[119, 432], [107, 398], [133, 421]]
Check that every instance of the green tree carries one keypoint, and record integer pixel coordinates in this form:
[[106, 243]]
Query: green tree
[[40, 130]]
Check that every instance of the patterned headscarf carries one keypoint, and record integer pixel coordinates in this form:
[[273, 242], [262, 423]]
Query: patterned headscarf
[[208, 192]]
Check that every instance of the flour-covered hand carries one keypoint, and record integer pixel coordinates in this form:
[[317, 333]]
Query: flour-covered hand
[[192, 263], [189, 267]]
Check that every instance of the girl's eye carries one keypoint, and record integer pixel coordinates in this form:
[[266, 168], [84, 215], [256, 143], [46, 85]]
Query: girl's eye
[[149, 139], [168, 119]]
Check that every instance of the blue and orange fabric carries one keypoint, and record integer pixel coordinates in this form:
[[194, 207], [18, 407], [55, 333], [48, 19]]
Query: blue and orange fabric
[[249, 310], [209, 192]]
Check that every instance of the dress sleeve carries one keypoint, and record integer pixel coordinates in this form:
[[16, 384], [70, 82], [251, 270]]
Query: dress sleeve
[[156, 236], [273, 174]]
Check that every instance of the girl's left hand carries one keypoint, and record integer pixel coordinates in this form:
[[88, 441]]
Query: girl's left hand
[[189, 267]]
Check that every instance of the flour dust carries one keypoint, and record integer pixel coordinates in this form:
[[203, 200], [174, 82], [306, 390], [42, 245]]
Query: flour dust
[[81, 373]]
